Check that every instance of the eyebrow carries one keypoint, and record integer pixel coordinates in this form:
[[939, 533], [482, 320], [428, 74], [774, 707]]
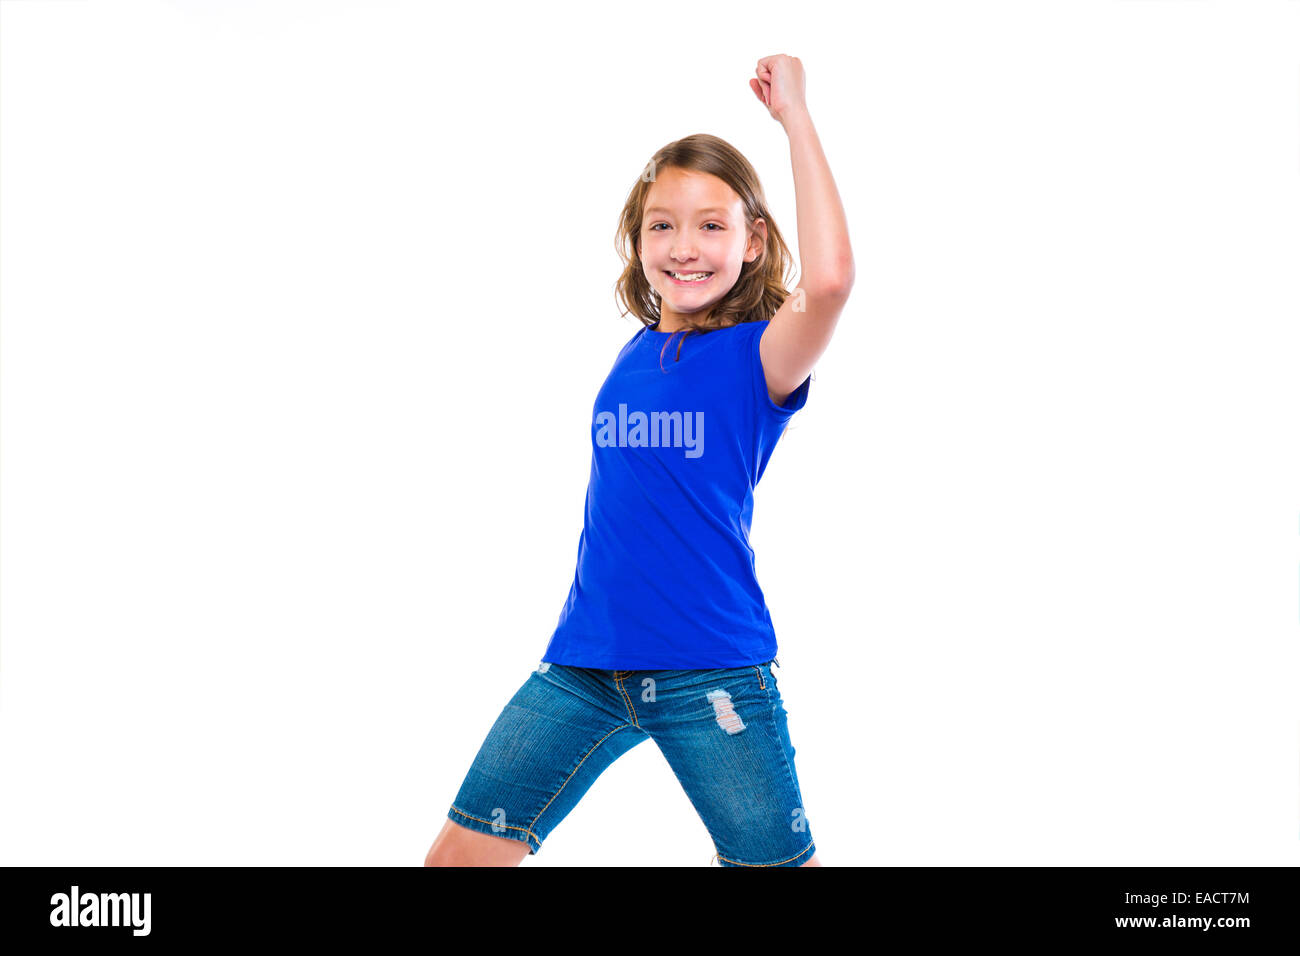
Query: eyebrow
[[713, 209]]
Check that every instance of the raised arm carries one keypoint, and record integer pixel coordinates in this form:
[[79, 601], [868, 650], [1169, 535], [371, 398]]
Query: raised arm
[[801, 329]]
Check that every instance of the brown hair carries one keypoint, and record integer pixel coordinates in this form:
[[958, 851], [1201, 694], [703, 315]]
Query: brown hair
[[761, 288]]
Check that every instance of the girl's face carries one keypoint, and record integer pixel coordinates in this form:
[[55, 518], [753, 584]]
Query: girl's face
[[694, 223]]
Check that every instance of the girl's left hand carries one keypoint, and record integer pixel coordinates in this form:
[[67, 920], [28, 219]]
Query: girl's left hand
[[780, 85]]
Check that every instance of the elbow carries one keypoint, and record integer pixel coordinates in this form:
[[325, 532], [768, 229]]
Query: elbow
[[834, 283]]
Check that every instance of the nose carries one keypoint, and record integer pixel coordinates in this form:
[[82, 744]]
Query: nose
[[684, 252]]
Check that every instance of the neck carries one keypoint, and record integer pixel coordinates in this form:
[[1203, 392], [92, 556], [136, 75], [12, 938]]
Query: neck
[[671, 321]]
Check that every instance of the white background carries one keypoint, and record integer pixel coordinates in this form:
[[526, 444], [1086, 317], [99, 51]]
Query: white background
[[304, 308]]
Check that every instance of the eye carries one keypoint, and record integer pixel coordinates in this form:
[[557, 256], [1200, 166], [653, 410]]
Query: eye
[[713, 224], [653, 228]]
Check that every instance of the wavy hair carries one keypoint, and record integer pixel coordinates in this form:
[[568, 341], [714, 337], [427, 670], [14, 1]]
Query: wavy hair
[[761, 288]]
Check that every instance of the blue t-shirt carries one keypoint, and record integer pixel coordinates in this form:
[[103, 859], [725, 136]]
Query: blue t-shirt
[[665, 577]]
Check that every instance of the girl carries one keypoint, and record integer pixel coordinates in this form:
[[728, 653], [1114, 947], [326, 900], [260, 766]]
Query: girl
[[665, 634]]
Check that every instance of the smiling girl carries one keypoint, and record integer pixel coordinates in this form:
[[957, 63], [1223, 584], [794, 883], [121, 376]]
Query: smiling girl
[[665, 634]]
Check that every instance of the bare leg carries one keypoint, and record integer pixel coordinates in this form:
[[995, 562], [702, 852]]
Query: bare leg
[[460, 846], [812, 861]]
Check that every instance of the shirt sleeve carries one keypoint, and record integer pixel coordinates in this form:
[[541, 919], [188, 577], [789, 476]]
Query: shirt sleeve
[[768, 408]]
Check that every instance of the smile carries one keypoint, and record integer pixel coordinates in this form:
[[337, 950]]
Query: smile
[[689, 278]]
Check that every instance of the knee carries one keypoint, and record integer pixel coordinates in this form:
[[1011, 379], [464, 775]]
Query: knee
[[439, 855], [460, 846]]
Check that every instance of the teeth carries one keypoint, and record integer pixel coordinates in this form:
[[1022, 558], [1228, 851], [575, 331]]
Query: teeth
[[690, 276]]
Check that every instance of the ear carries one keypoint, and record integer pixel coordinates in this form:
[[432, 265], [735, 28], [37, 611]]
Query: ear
[[757, 240]]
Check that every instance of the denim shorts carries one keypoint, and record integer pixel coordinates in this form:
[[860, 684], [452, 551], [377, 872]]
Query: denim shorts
[[723, 733]]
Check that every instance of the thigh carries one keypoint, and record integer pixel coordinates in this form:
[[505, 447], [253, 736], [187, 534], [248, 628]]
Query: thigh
[[726, 736], [559, 731]]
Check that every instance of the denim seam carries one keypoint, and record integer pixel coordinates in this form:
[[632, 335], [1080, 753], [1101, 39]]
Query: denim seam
[[778, 863], [495, 824], [533, 822], [786, 760], [618, 682]]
